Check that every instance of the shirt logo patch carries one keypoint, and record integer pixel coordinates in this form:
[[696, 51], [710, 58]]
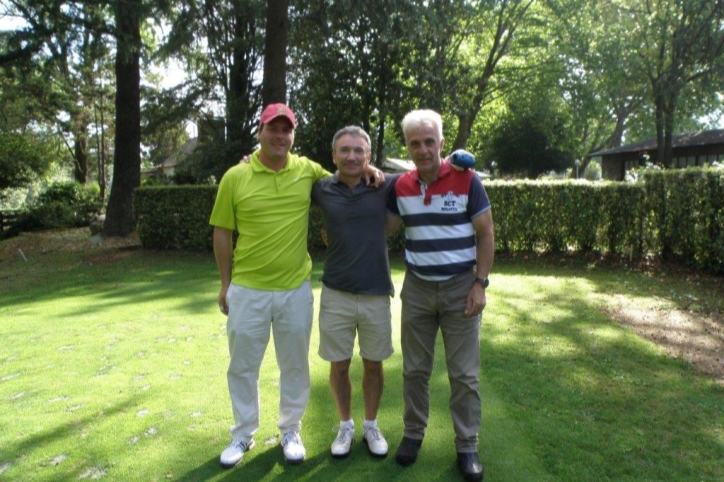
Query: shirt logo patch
[[449, 202]]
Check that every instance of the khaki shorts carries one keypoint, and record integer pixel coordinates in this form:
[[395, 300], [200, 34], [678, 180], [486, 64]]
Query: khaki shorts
[[342, 315]]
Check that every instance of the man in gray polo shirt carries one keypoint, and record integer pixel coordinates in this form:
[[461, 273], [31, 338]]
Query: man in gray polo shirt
[[356, 287]]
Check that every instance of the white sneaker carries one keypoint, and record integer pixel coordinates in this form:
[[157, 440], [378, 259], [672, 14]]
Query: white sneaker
[[293, 449], [233, 454], [375, 442], [342, 445]]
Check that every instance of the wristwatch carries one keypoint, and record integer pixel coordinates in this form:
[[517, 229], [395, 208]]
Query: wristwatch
[[484, 282]]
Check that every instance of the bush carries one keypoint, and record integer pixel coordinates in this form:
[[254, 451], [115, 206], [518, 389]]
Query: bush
[[174, 217], [677, 213], [63, 205], [158, 181], [685, 214]]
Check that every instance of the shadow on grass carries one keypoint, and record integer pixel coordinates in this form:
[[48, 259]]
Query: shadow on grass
[[145, 276], [567, 394], [69, 434], [266, 462], [596, 401]]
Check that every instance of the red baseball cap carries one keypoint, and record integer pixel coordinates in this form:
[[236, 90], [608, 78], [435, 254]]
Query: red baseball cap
[[272, 111]]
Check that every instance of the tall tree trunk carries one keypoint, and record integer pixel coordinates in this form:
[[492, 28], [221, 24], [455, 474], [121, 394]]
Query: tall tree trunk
[[101, 147], [467, 117], [127, 163], [616, 137], [465, 128], [274, 86], [382, 89], [237, 75], [80, 155], [669, 126], [238, 108], [79, 129], [668, 140], [659, 115]]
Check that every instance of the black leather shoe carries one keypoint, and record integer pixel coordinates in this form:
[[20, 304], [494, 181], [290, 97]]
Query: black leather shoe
[[470, 466], [407, 451]]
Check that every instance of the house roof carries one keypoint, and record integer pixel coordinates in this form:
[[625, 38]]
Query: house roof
[[701, 138], [398, 165], [180, 156], [403, 165], [174, 159]]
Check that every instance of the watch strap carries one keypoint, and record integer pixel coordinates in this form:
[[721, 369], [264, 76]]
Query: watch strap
[[484, 282]]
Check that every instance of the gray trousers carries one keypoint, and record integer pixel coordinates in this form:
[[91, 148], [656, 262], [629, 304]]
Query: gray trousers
[[426, 307]]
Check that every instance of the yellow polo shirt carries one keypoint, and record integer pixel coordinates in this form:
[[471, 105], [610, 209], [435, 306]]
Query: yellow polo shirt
[[270, 210]]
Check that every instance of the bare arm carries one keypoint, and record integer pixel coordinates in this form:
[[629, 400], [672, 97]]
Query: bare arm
[[485, 251], [223, 252], [392, 222]]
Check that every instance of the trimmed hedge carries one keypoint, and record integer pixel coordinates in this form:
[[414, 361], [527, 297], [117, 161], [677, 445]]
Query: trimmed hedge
[[673, 214], [556, 216], [177, 217], [174, 217], [685, 216]]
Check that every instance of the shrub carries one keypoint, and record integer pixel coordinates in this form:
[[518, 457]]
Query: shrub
[[677, 213], [174, 217], [177, 217], [63, 205]]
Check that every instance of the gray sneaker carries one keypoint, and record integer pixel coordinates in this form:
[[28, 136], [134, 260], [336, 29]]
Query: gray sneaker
[[233, 454], [342, 445]]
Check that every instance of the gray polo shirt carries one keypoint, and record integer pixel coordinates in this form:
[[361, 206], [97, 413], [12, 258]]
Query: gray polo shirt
[[357, 259]]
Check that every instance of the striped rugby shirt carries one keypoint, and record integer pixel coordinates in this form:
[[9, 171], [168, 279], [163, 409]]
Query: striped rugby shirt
[[439, 234]]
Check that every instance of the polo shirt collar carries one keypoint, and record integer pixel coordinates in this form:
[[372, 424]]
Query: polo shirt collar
[[257, 166], [445, 170], [335, 180]]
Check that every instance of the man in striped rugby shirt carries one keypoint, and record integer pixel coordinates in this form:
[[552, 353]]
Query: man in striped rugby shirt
[[449, 248]]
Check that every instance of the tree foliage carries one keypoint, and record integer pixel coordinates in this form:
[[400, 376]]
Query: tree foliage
[[346, 69], [532, 138], [23, 157], [567, 76], [61, 60], [221, 43], [496, 30], [26, 154], [679, 44], [597, 76]]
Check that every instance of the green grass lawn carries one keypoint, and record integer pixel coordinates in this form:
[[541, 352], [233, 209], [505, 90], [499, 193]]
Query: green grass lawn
[[113, 368]]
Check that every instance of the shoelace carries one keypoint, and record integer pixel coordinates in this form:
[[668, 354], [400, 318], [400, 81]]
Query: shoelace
[[239, 444], [347, 433], [291, 437], [373, 433]]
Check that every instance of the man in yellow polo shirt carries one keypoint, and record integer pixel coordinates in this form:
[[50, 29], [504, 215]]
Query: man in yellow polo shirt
[[265, 279]]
